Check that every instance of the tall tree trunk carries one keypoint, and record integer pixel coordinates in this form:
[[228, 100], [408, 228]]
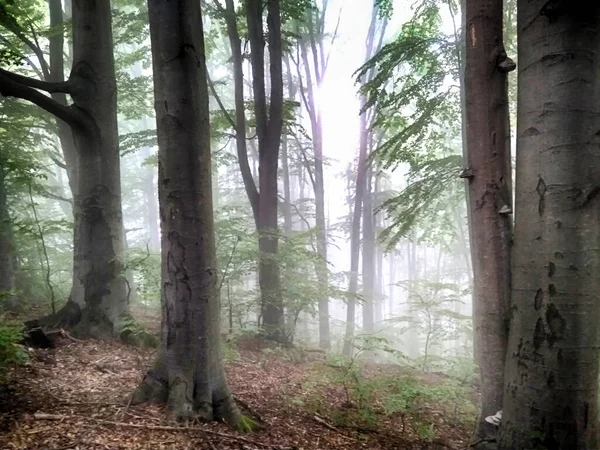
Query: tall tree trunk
[[188, 373], [360, 190], [69, 313], [314, 113], [269, 124], [93, 120], [7, 269], [489, 195], [551, 385], [379, 296], [368, 258]]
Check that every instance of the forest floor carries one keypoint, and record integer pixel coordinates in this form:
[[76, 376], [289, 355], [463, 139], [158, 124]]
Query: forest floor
[[75, 397]]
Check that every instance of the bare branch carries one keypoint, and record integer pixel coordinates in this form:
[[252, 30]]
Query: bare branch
[[211, 85]]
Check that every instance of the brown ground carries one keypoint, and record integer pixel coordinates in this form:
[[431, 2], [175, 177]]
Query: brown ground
[[86, 386]]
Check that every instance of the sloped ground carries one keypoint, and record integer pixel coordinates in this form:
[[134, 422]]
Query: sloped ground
[[82, 388]]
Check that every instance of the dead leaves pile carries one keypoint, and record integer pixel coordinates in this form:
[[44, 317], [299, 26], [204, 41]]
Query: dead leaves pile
[[75, 397]]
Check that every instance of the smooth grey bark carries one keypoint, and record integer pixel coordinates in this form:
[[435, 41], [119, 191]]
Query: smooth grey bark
[[92, 117], [551, 377], [7, 269], [188, 372], [489, 193]]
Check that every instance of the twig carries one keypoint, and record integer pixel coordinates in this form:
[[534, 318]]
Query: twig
[[325, 424], [60, 417], [331, 427]]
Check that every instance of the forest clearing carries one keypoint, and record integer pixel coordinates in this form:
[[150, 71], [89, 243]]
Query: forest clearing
[[300, 224]]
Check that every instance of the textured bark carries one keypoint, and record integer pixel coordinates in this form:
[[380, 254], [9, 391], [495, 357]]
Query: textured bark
[[7, 269], [188, 373], [93, 120], [70, 313], [489, 195], [551, 386]]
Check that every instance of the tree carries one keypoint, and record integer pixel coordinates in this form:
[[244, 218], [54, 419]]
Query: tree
[[188, 373], [551, 377], [314, 75], [92, 117], [7, 269], [488, 170], [269, 124], [372, 47]]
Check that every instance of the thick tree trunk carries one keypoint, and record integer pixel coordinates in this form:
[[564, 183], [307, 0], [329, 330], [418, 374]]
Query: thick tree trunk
[[188, 373], [98, 232], [98, 221], [489, 195], [551, 385], [7, 269]]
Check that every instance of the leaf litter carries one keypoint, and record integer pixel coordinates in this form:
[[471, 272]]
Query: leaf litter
[[76, 397]]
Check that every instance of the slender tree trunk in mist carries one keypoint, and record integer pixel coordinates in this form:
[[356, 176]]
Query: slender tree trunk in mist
[[93, 120], [314, 111], [371, 49], [188, 373], [7, 268], [489, 195], [150, 199], [368, 258], [551, 384]]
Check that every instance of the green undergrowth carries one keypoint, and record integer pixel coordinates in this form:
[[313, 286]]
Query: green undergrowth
[[248, 425], [135, 334], [355, 394], [11, 352]]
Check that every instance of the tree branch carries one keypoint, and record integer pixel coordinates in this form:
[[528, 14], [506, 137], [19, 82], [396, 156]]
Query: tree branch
[[11, 88], [60, 87], [211, 85]]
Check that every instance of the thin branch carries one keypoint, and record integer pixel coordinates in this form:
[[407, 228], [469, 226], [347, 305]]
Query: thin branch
[[211, 85], [60, 87], [44, 250]]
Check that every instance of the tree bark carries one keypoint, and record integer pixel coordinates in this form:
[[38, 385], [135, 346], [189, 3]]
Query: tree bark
[[489, 195], [269, 124], [7, 269], [551, 381], [188, 373], [93, 121]]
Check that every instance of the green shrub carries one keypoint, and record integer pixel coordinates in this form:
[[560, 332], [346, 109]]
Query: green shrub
[[11, 352]]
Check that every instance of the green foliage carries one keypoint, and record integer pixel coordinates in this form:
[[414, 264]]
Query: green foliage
[[427, 204], [434, 317], [135, 334], [414, 91], [367, 393], [11, 352]]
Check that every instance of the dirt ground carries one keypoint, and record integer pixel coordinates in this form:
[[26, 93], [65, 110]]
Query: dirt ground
[[75, 397]]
